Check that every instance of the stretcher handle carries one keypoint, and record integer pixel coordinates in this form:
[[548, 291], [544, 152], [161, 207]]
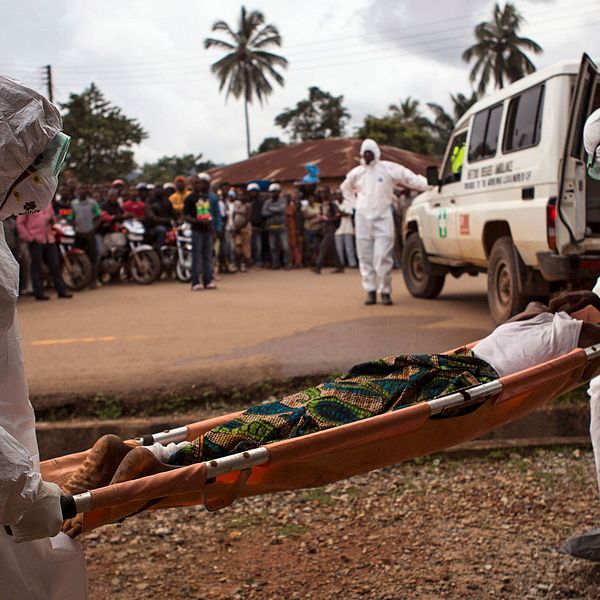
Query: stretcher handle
[[67, 507]]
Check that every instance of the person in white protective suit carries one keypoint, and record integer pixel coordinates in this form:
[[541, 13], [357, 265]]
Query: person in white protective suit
[[591, 142], [369, 188], [36, 561], [588, 545]]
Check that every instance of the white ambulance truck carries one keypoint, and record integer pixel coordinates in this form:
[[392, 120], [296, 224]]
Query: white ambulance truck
[[512, 197]]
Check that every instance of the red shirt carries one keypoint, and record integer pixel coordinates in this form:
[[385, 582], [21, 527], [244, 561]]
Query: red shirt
[[136, 207]]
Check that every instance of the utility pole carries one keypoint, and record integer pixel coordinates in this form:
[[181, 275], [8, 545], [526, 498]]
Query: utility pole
[[48, 72]]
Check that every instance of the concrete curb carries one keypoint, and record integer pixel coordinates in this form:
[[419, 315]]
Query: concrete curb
[[562, 425]]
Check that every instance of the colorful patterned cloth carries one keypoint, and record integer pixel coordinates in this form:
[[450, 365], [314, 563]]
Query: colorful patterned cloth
[[369, 389]]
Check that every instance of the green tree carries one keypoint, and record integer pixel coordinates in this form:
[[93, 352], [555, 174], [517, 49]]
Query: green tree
[[404, 126], [408, 112], [318, 117], [167, 168], [270, 143], [246, 68], [499, 52], [391, 131], [443, 123], [101, 137]]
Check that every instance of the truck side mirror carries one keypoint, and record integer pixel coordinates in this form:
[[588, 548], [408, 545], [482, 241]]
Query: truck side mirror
[[432, 175]]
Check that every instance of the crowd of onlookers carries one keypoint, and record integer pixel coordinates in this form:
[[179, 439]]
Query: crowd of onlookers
[[234, 227]]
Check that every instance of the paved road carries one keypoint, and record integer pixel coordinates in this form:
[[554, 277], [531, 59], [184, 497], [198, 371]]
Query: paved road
[[261, 325]]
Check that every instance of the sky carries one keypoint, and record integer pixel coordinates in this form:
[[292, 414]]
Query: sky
[[147, 56]]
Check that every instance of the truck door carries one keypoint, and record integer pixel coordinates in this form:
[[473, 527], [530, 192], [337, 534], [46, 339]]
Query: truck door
[[578, 203], [443, 217]]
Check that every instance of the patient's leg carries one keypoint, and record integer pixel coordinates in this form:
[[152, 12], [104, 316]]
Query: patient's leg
[[140, 462], [135, 463], [100, 465]]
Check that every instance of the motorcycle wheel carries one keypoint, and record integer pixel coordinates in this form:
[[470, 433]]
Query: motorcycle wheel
[[184, 273], [76, 271], [144, 267]]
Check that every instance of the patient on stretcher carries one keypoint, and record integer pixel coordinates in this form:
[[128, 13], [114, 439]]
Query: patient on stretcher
[[537, 335]]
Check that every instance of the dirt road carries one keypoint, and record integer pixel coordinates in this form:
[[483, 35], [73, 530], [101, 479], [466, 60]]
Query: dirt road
[[256, 326], [438, 528]]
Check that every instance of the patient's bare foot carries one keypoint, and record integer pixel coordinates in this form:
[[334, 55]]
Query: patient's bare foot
[[99, 466], [72, 527], [140, 462]]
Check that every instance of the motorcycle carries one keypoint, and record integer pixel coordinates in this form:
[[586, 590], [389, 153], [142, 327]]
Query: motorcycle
[[76, 267], [168, 253], [125, 254], [183, 267]]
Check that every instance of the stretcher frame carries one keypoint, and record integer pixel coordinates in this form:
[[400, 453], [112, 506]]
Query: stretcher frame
[[330, 455]]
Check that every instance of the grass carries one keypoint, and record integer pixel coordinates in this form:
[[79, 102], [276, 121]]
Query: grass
[[291, 530], [102, 405], [318, 495]]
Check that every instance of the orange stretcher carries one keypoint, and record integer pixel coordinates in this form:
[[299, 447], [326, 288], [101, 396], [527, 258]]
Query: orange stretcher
[[327, 456]]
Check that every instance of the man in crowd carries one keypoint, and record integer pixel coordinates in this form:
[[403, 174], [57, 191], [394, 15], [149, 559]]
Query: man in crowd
[[370, 189], [181, 192], [136, 207], [242, 232], [201, 210], [344, 234], [160, 215], [273, 212], [257, 222], [86, 218], [118, 187], [36, 230], [330, 219]]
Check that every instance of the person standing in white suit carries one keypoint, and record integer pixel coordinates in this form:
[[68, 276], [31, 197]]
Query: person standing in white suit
[[36, 561], [591, 142], [369, 188]]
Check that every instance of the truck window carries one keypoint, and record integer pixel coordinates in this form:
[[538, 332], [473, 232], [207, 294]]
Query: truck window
[[524, 120], [484, 133], [455, 160]]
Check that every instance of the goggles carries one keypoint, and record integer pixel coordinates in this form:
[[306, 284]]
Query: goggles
[[47, 165]]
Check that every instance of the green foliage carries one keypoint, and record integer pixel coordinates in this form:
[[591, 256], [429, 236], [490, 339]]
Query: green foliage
[[101, 137], [246, 69], [106, 406], [390, 130], [270, 143], [404, 126], [443, 124], [499, 50], [318, 117], [167, 168]]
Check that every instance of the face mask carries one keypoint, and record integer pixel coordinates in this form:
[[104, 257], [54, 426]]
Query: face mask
[[36, 186], [593, 166]]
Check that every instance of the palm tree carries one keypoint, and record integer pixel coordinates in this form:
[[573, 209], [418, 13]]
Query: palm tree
[[246, 67], [498, 51], [408, 112], [443, 124]]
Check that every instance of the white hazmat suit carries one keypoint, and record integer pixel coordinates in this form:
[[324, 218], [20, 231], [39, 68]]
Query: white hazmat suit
[[49, 568], [370, 190]]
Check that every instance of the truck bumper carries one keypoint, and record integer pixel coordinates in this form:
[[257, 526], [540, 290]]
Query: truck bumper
[[555, 267]]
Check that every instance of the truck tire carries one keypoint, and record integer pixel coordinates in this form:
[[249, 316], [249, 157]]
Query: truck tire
[[504, 298], [418, 282]]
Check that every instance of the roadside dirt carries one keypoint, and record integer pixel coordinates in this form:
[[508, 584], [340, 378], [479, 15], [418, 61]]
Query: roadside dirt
[[436, 528]]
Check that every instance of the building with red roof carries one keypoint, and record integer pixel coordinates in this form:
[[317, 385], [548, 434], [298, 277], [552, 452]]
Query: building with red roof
[[334, 157]]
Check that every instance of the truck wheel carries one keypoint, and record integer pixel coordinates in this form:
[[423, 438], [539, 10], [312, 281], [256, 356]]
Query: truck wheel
[[504, 298], [418, 282]]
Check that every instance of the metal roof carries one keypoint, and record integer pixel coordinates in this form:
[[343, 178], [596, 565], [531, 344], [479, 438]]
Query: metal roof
[[334, 157]]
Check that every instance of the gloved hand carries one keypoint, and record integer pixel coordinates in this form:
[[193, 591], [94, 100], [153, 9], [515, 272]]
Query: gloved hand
[[43, 518]]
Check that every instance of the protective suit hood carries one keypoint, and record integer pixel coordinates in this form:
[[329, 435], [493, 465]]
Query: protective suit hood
[[28, 125], [371, 145]]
